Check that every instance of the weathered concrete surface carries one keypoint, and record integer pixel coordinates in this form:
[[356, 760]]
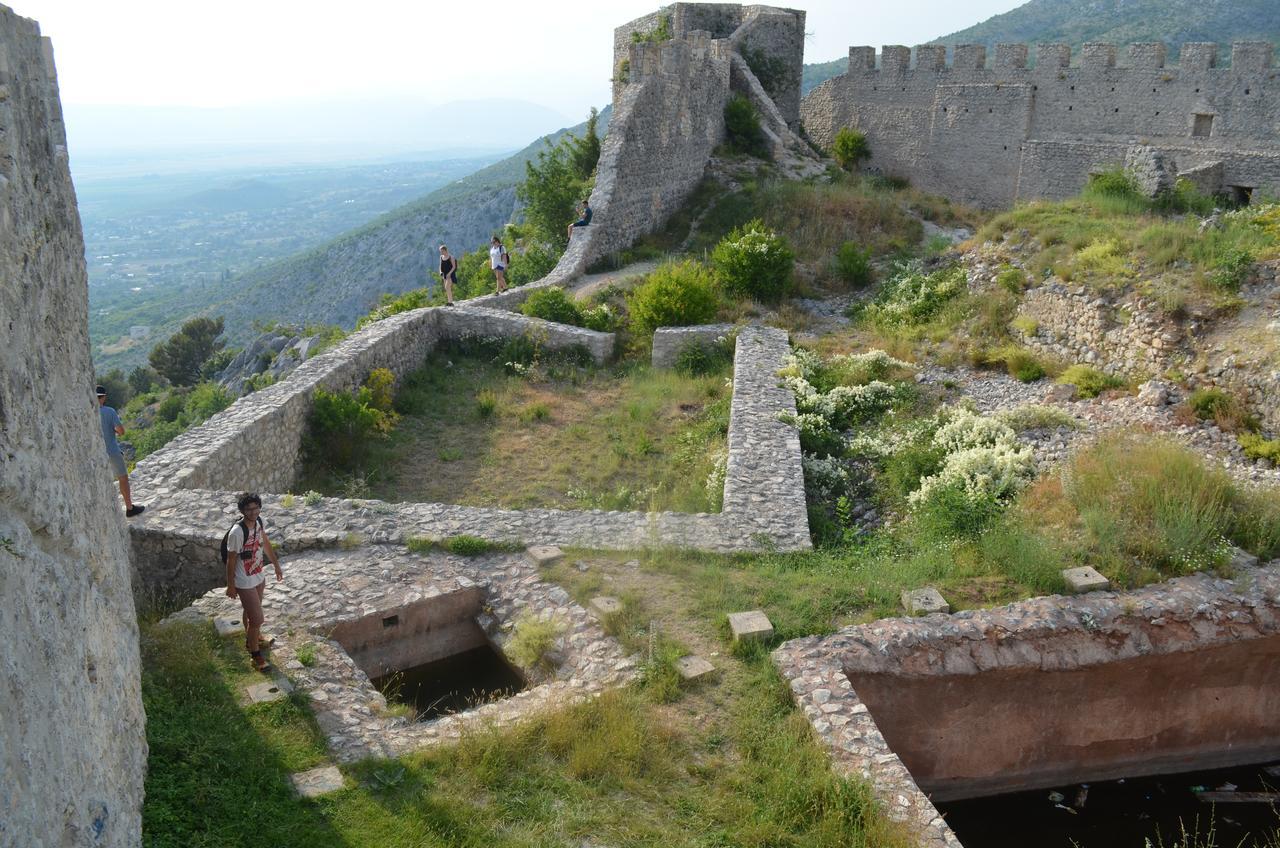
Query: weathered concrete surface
[[72, 747]]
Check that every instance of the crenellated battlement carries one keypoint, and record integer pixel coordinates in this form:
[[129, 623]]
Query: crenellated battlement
[[1246, 57]]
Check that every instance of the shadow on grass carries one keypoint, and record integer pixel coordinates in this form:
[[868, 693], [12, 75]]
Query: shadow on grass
[[218, 772]]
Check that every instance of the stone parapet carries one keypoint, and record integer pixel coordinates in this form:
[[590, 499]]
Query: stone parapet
[[668, 342]]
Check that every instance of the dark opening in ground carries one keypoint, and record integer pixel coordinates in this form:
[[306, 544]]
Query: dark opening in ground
[[455, 683], [1169, 811]]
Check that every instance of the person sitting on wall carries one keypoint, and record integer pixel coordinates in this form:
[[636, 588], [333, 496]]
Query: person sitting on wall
[[246, 543], [111, 427], [584, 216]]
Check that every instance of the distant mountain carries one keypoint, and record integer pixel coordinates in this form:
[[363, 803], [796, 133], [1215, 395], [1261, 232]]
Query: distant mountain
[[1126, 21], [339, 281], [1119, 22]]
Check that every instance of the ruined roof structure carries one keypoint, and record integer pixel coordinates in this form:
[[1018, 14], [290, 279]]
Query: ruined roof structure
[[994, 130]]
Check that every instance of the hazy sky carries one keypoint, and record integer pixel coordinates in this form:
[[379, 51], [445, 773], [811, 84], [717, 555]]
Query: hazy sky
[[238, 52]]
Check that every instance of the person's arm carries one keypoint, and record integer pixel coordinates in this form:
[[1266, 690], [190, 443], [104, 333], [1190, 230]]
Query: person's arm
[[271, 554], [119, 428], [231, 572]]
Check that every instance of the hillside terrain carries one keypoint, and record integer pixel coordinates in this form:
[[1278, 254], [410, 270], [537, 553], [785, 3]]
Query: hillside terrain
[[1076, 22]]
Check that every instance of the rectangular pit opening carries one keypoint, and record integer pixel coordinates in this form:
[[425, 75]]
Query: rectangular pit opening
[[431, 655], [966, 735], [1202, 126]]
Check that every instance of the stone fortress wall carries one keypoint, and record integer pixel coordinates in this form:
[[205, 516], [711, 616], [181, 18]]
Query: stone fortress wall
[[72, 746], [993, 130]]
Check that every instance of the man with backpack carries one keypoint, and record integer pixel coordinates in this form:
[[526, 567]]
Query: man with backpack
[[242, 551]]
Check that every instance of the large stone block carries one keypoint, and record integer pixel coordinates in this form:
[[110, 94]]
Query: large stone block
[[750, 625]]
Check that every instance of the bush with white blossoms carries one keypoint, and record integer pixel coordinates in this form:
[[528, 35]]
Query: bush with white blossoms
[[913, 296], [984, 459], [715, 478], [844, 390], [825, 478]]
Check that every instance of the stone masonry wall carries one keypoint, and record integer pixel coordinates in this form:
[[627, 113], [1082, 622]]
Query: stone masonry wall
[[992, 132], [72, 747], [175, 542]]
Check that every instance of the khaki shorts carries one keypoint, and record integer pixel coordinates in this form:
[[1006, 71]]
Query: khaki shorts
[[118, 469]]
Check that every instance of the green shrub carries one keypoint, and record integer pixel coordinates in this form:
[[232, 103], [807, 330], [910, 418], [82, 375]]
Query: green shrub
[[342, 426], [172, 406], [1025, 325], [464, 545], [853, 264], [662, 32], [307, 654], [1223, 408], [153, 438], [391, 304], [1089, 382], [1151, 501], [1255, 523], [381, 384], [907, 466], [1012, 280], [1114, 183], [700, 359], [552, 304], [1258, 447], [1037, 417], [742, 128], [600, 318], [486, 403], [533, 263], [676, 294], [753, 261], [949, 512], [849, 148], [532, 642], [1023, 365], [1232, 269]]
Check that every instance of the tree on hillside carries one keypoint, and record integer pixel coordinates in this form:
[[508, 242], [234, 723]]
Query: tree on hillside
[[180, 359], [555, 184], [585, 151]]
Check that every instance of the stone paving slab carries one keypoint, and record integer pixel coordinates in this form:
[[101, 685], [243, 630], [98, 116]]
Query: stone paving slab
[[321, 780], [267, 691], [753, 624], [1084, 579], [926, 601], [604, 605], [693, 667]]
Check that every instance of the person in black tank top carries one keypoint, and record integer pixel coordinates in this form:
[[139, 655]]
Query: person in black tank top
[[448, 273]]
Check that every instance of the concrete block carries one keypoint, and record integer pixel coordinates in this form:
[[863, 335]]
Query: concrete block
[[543, 554], [694, 668], [753, 624], [318, 781], [1084, 579], [227, 626], [924, 601], [267, 691], [605, 605]]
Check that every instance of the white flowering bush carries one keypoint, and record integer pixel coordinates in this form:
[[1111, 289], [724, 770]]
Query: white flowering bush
[[913, 296], [714, 484], [826, 479], [753, 261], [982, 458]]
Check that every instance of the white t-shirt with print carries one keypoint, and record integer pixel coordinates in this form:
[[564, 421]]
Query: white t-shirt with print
[[495, 257], [248, 571]]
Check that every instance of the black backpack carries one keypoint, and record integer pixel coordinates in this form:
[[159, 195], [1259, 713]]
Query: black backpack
[[227, 535]]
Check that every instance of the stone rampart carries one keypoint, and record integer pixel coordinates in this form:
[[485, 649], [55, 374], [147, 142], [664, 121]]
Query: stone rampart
[[72, 744], [993, 132], [175, 543]]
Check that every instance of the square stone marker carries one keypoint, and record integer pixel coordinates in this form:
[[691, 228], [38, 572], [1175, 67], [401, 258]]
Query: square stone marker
[[543, 554], [267, 691], [227, 626], [924, 601], [750, 625], [605, 605], [1084, 579], [693, 667], [319, 781]]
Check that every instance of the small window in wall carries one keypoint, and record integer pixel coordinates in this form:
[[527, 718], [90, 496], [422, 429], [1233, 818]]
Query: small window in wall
[[1202, 126]]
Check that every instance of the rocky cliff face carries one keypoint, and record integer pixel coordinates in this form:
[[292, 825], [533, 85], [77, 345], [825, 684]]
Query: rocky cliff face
[[72, 746]]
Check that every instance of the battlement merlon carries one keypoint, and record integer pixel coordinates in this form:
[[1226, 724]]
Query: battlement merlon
[[1247, 57]]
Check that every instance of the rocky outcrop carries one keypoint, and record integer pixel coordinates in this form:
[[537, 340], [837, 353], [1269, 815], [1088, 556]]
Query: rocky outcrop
[[72, 746]]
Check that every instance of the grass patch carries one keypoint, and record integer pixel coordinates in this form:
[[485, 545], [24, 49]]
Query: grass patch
[[1223, 408], [559, 435], [532, 642], [1089, 381], [462, 545]]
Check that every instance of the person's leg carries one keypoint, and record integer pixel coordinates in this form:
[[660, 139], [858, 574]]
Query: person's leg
[[448, 291], [125, 493], [251, 601], [502, 280]]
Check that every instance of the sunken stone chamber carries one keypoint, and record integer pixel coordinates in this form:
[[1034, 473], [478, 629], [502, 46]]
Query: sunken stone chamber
[[355, 613], [1175, 677]]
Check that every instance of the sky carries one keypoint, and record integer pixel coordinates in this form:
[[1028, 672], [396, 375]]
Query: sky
[[235, 55]]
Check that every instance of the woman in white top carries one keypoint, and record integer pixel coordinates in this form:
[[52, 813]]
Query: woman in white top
[[498, 259]]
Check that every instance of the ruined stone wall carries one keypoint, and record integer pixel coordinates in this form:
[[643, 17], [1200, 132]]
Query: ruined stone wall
[[72, 745], [992, 132]]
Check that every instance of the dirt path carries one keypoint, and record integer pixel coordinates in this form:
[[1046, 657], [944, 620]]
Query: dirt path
[[587, 285]]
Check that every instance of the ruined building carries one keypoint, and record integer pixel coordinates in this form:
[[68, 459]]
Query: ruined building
[[994, 132], [72, 748]]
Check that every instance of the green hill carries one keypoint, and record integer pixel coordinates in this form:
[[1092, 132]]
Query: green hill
[[1117, 21], [340, 280], [1126, 21]]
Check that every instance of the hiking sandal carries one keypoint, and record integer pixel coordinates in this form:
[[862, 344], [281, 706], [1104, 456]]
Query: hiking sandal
[[259, 664]]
